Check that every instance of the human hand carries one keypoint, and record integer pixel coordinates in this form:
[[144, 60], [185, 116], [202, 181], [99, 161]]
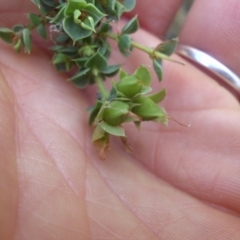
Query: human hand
[[179, 183]]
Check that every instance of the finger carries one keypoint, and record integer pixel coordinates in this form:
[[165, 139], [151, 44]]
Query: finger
[[8, 169], [213, 26], [156, 16], [14, 12]]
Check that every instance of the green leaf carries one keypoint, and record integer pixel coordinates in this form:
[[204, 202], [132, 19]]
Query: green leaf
[[106, 27], [59, 58], [146, 90], [81, 61], [113, 130], [168, 47], [131, 27], [47, 6], [72, 5], [122, 74], [18, 28], [97, 61], [105, 49], [62, 38], [98, 133], [27, 41], [93, 12], [128, 5], [60, 15], [110, 71], [18, 45], [42, 31], [6, 35], [111, 4], [158, 97], [75, 31], [82, 6], [148, 109], [50, 3], [124, 44], [36, 2], [113, 94], [34, 19], [88, 24], [56, 48], [81, 79], [119, 10], [144, 75], [99, 116], [62, 67], [68, 49], [76, 15], [94, 112], [158, 69]]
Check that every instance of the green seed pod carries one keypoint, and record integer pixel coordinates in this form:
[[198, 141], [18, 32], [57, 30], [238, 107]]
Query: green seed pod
[[115, 113], [147, 110], [129, 86]]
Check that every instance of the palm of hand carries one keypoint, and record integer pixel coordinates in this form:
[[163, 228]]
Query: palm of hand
[[55, 187]]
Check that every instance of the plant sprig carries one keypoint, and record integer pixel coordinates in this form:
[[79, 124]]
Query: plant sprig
[[80, 30]]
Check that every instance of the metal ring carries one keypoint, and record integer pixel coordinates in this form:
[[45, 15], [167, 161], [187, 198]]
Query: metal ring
[[210, 63]]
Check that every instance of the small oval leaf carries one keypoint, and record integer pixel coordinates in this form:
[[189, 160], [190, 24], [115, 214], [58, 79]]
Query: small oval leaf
[[27, 41], [6, 34], [131, 27], [158, 69], [144, 75], [158, 97], [113, 130], [168, 47], [124, 44]]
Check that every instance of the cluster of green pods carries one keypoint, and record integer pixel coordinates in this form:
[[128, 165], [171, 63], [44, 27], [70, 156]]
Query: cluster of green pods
[[129, 101]]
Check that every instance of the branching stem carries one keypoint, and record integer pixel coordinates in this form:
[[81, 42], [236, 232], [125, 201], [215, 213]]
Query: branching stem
[[150, 51]]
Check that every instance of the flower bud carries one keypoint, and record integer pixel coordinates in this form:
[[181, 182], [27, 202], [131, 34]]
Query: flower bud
[[147, 109], [129, 86], [115, 113]]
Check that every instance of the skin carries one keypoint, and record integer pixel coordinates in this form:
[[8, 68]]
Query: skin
[[179, 183]]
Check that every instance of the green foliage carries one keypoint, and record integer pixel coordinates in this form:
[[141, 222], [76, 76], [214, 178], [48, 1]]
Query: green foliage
[[147, 109], [6, 35], [127, 102], [124, 44], [79, 19], [80, 31], [35, 20], [27, 41], [131, 27], [157, 65], [168, 47]]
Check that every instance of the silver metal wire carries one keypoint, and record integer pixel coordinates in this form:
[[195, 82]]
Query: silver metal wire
[[210, 63]]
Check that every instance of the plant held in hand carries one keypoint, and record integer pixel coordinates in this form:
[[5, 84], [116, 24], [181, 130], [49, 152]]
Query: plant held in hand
[[81, 30]]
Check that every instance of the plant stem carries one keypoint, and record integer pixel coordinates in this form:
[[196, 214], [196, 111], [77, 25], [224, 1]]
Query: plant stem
[[150, 51], [103, 91]]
